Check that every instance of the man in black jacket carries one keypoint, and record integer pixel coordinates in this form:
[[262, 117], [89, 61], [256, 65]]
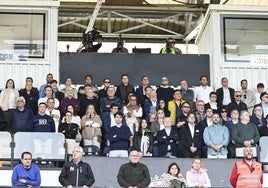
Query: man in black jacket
[[21, 118], [124, 89], [76, 173], [134, 174]]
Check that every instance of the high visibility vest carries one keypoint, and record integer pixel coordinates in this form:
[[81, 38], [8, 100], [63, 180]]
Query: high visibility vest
[[248, 178], [164, 51]]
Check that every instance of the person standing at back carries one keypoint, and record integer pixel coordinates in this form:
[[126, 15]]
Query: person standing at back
[[202, 92], [248, 96], [225, 94], [124, 89], [170, 47]]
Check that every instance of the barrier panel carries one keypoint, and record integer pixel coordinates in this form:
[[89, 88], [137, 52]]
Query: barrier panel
[[264, 149], [43, 146], [100, 65], [5, 146]]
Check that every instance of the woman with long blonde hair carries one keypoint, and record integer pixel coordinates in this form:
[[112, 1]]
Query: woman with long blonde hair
[[91, 128]]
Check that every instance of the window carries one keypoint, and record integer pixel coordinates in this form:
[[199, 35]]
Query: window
[[22, 36], [244, 36]]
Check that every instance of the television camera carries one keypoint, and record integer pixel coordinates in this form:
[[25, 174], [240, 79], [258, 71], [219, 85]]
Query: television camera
[[91, 36]]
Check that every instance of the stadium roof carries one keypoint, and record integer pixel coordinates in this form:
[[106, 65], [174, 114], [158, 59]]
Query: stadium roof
[[136, 20]]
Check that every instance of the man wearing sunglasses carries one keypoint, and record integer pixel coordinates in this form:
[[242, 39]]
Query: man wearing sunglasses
[[237, 103]]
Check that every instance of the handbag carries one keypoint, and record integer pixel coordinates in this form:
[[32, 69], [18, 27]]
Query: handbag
[[78, 137]]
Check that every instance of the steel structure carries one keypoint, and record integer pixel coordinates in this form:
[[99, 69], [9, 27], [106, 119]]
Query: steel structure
[[145, 23]]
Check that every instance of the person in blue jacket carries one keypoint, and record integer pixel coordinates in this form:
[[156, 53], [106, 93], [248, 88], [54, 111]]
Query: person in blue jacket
[[25, 173]]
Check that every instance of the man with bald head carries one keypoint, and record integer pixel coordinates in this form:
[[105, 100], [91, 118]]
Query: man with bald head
[[133, 174], [248, 172]]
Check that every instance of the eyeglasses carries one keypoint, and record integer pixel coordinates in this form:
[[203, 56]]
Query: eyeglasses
[[106, 82], [134, 155], [238, 95], [223, 111]]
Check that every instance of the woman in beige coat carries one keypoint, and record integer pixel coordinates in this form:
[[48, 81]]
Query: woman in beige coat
[[91, 128], [8, 98]]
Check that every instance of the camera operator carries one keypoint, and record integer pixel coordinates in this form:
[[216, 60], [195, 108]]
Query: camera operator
[[88, 40], [170, 47], [120, 46]]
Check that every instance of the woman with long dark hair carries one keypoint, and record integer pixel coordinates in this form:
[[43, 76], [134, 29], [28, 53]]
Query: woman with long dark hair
[[143, 139]]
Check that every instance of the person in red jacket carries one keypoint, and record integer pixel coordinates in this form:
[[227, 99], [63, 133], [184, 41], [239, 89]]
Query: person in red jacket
[[247, 172]]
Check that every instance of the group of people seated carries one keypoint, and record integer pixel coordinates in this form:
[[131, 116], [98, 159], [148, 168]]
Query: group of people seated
[[160, 122]]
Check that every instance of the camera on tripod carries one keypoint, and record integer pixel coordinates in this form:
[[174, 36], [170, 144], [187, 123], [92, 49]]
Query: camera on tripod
[[91, 36]]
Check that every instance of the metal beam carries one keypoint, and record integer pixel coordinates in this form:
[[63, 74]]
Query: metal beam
[[153, 21], [146, 23], [79, 25], [78, 19], [181, 8], [114, 35]]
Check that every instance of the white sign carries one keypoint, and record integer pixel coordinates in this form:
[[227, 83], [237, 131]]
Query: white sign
[[259, 59]]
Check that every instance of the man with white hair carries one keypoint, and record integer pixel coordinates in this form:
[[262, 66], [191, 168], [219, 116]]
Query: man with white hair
[[21, 118], [76, 173], [247, 173]]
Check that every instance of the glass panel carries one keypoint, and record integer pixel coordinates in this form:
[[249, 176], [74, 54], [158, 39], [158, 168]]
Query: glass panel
[[5, 150], [244, 36], [22, 36], [264, 149], [41, 145]]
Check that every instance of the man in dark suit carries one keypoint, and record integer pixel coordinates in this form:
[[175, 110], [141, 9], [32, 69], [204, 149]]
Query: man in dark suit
[[225, 94], [191, 144], [167, 139]]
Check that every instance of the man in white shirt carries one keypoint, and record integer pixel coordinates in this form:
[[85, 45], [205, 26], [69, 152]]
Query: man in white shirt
[[51, 111], [48, 94], [202, 92]]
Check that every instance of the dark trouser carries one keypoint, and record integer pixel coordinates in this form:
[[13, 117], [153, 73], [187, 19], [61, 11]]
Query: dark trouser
[[231, 151]]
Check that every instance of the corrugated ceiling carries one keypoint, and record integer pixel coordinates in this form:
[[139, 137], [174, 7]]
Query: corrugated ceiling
[[151, 20]]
